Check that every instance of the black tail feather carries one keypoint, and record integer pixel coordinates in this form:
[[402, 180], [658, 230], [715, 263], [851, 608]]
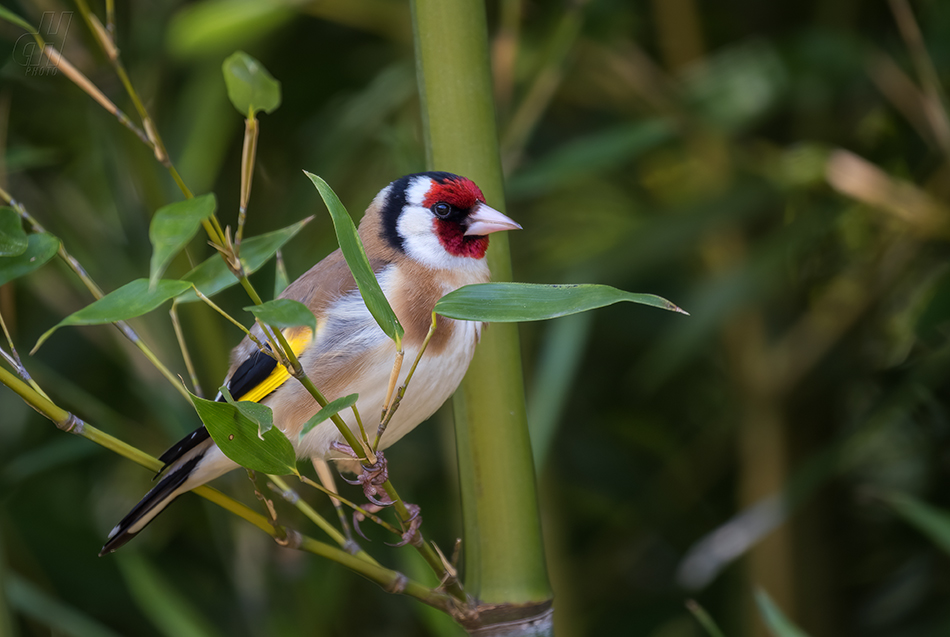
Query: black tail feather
[[157, 496], [182, 447]]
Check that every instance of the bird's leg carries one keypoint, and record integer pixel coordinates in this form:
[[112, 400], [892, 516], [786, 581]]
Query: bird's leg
[[326, 478]]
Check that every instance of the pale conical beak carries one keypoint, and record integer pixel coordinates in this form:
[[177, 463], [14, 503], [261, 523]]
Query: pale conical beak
[[486, 220]]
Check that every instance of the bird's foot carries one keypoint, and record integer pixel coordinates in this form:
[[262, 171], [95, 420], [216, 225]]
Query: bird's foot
[[412, 524], [371, 478], [411, 534]]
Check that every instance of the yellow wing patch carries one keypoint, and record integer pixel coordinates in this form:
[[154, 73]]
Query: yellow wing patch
[[299, 338]]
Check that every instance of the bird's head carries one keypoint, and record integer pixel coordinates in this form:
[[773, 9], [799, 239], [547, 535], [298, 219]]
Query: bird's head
[[439, 219]]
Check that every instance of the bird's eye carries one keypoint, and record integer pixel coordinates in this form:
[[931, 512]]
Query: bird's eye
[[442, 209]]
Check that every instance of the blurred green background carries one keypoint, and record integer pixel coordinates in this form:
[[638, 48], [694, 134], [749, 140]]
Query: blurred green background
[[781, 170]]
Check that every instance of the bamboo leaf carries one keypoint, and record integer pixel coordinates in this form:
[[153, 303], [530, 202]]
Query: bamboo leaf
[[131, 300], [704, 619], [282, 313], [929, 520], [213, 275], [281, 280], [13, 239], [250, 87], [239, 438], [173, 226], [776, 621], [13, 18], [332, 409], [517, 302], [40, 249], [216, 27], [33, 602], [257, 413], [358, 262], [170, 611]]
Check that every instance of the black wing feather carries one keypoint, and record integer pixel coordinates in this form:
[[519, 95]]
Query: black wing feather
[[249, 374]]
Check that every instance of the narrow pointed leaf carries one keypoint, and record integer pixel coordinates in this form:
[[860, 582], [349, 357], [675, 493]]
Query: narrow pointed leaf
[[250, 87], [32, 601], [13, 239], [173, 226], [40, 249], [240, 440], [358, 262], [778, 624], [281, 280], [259, 414], [929, 520], [160, 599], [9, 16], [332, 409], [517, 302], [131, 300], [282, 313], [704, 619], [216, 27], [213, 275]]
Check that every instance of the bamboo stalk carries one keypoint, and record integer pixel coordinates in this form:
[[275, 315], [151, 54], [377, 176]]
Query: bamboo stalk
[[504, 555]]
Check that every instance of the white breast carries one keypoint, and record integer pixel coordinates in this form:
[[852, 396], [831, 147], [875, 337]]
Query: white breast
[[435, 380]]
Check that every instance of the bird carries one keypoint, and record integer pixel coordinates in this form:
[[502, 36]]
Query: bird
[[425, 235]]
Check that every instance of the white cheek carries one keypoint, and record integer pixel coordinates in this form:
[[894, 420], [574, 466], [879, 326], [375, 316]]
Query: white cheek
[[420, 242]]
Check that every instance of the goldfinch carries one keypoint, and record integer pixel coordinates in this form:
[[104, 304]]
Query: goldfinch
[[425, 235]]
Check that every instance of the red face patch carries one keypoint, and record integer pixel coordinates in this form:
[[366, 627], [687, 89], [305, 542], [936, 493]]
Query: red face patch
[[461, 193], [453, 239]]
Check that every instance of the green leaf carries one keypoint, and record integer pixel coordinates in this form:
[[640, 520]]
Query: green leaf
[[257, 413], [173, 226], [250, 87], [929, 520], [170, 611], [357, 261], [13, 240], [9, 16], [778, 624], [516, 302], [332, 409], [240, 439], [131, 300], [281, 313], [281, 280], [34, 602], [40, 249], [704, 619], [217, 27], [213, 275], [583, 156]]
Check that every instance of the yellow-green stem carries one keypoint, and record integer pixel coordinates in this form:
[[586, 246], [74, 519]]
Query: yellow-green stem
[[339, 498], [183, 346], [291, 496], [388, 415], [248, 155]]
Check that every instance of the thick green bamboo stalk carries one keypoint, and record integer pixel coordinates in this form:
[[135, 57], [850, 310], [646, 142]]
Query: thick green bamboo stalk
[[504, 555]]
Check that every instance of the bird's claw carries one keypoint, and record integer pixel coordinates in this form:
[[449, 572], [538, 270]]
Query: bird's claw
[[360, 515], [414, 522], [371, 478]]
